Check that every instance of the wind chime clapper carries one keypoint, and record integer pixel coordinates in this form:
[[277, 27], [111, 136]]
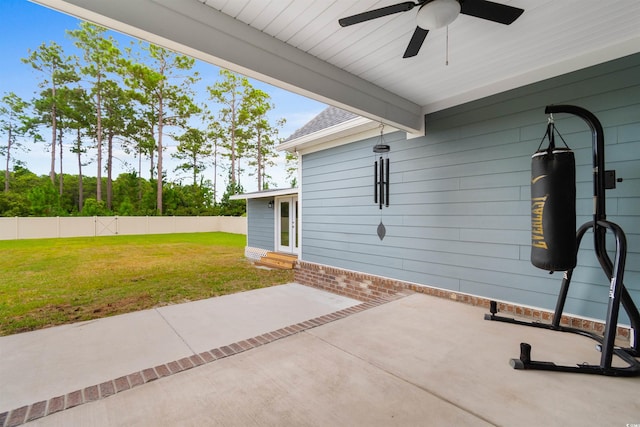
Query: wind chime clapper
[[381, 173]]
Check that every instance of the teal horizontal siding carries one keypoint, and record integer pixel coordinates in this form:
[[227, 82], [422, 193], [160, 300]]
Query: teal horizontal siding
[[460, 211], [260, 224]]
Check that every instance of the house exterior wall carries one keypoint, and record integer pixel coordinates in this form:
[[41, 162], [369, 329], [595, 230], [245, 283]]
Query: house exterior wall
[[260, 224], [459, 214]]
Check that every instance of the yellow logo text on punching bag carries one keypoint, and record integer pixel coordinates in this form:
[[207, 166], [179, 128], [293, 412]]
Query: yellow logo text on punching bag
[[537, 231]]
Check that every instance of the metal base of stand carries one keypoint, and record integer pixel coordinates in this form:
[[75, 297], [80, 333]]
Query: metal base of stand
[[524, 362]]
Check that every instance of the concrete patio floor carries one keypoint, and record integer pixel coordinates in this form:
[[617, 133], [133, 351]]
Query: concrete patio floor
[[416, 360]]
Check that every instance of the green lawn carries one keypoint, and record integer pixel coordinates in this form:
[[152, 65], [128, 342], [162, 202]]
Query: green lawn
[[48, 282]]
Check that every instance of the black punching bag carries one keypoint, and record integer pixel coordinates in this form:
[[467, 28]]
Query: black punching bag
[[553, 207]]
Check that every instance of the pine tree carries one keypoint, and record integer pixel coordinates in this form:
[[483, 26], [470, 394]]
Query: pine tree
[[57, 70], [193, 148], [230, 92], [260, 134], [15, 123], [101, 58], [166, 93]]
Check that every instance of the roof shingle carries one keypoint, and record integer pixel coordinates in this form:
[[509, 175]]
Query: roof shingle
[[330, 116]]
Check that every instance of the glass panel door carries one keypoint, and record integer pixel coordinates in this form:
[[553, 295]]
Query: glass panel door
[[295, 222], [285, 230], [287, 225]]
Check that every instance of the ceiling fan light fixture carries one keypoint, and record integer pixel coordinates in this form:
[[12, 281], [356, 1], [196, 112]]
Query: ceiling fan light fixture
[[437, 14]]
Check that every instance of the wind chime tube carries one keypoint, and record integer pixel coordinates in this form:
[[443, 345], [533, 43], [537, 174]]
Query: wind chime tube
[[375, 182], [381, 181], [386, 181]]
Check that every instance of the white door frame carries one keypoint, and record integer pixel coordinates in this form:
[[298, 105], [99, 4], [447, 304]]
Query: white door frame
[[286, 230]]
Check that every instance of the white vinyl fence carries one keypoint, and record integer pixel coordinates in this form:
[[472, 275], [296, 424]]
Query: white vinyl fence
[[52, 227]]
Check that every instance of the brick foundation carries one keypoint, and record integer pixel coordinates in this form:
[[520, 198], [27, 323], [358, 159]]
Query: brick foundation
[[366, 287]]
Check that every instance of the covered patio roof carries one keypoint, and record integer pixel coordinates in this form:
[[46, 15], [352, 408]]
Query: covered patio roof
[[298, 45]]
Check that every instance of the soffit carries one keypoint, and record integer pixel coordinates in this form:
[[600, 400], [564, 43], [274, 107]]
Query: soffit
[[551, 36]]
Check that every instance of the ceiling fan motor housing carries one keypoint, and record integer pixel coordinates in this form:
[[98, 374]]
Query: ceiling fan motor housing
[[437, 14]]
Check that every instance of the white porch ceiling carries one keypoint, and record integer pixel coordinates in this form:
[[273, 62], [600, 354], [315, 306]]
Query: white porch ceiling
[[298, 45]]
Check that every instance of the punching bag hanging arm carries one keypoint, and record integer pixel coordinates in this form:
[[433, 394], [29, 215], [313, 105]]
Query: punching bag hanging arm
[[599, 199], [598, 153], [551, 132]]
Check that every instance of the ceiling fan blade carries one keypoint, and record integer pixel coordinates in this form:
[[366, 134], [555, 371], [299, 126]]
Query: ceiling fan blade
[[491, 11], [377, 13], [416, 42]]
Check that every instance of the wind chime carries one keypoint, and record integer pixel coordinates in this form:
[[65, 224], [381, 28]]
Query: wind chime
[[381, 178]]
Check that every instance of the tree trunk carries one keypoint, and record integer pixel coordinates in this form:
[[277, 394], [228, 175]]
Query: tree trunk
[[54, 122], [61, 177], [139, 175], [259, 160], [80, 189], [99, 141], [215, 172], [6, 169], [159, 182], [194, 161], [109, 170], [233, 138]]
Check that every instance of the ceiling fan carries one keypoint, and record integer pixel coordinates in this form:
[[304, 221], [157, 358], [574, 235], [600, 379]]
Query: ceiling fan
[[434, 14]]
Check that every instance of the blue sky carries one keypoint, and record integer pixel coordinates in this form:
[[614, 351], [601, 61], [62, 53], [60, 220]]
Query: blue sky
[[26, 25]]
